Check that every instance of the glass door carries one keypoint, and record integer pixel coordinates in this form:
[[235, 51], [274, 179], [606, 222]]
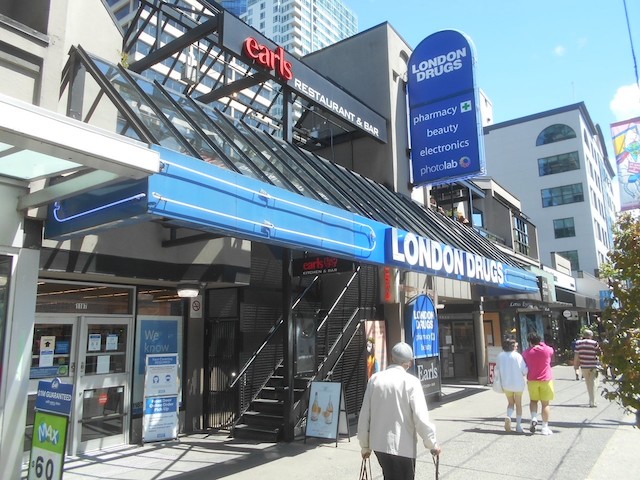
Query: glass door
[[457, 350], [102, 390], [464, 350]]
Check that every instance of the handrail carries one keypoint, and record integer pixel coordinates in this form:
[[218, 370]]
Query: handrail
[[335, 304], [350, 329], [270, 335]]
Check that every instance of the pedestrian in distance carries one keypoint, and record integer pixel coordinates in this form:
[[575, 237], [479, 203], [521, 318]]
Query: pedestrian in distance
[[576, 370], [539, 381], [394, 412], [512, 370], [587, 358]]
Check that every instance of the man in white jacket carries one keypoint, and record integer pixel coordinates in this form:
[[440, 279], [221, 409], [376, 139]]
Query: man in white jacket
[[394, 412]]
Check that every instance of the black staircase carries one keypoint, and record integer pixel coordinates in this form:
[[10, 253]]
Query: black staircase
[[261, 416]]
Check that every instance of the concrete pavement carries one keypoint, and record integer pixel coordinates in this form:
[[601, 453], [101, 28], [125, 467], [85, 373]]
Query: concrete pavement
[[588, 443]]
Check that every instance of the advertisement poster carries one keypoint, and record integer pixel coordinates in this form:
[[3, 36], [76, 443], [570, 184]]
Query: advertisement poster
[[160, 420], [421, 327], [376, 346], [155, 335], [428, 371], [626, 147], [326, 410], [49, 440], [47, 446]]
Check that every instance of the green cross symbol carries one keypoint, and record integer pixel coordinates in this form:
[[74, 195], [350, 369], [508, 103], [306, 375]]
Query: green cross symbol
[[465, 106]]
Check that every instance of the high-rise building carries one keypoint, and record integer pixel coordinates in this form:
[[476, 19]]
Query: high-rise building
[[556, 162], [301, 26]]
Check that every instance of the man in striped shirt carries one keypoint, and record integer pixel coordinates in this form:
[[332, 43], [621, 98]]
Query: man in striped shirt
[[587, 357]]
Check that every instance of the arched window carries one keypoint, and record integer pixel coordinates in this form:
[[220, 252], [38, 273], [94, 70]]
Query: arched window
[[555, 133]]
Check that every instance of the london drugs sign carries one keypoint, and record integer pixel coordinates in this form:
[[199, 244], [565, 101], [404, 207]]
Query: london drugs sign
[[445, 120]]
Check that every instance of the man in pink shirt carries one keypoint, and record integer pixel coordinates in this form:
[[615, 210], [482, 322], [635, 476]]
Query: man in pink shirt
[[540, 380]]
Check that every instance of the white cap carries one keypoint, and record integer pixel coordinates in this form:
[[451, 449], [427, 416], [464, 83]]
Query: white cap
[[401, 353]]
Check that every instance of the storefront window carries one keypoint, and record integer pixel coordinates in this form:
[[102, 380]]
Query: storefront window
[[51, 350], [83, 299]]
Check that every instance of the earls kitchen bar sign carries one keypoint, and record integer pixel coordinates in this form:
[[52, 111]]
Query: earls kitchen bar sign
[[244, 41], [446, 140], [319, 265]]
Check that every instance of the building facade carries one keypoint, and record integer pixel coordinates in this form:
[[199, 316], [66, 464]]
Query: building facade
[[143, 185], [302, 26], [562, 156]]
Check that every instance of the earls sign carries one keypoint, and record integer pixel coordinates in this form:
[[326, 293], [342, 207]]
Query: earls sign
[[446, 141], [270, 59], [242, 40]]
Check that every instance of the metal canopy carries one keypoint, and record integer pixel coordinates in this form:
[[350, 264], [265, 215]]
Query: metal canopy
[[178, 122], [211, 38], [37, 144]]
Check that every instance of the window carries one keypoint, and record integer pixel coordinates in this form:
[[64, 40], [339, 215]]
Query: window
[[33, 14], [555, 133], [520, 236], [564, 162], [564, 227], [562, 195], [5, 277], [572, 256]]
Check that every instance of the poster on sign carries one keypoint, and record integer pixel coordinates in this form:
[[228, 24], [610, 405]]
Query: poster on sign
[[445, 120], [421, 327]]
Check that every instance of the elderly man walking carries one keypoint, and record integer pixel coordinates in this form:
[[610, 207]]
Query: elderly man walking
[[394, 412], [587, 357]]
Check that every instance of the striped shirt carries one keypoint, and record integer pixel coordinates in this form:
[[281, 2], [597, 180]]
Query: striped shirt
[[588, 352]]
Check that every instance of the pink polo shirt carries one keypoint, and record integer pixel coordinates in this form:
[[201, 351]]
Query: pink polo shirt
[[538, 360]]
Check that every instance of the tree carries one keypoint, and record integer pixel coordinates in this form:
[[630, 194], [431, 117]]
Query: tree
[[621, 319]]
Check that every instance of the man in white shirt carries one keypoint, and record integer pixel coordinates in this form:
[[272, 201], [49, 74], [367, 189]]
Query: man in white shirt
[[394, 412]]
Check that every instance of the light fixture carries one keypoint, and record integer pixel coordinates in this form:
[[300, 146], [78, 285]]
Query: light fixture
[[188, 290]]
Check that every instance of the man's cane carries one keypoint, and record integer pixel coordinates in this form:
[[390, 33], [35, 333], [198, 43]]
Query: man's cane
[[436, 462]]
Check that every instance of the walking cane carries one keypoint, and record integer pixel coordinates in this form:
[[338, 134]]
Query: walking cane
[[436, 462]]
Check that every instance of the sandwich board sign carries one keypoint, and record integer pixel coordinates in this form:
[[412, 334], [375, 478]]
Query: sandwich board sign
[[50, 427]]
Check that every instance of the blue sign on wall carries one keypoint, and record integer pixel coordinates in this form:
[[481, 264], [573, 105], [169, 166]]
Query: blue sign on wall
[[157, 336], [421, 327], [446, 141]]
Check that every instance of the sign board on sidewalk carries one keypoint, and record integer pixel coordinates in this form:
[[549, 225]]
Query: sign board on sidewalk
[[48, 444], [327, 411], [161, 386]]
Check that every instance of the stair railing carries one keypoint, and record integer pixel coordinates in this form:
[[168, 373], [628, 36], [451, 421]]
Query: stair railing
[[240, 381]]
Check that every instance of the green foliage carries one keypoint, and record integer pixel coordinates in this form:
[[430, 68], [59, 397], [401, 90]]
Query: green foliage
[[621, 348]]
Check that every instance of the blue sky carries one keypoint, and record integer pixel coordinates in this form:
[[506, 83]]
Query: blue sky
[[534, 56]]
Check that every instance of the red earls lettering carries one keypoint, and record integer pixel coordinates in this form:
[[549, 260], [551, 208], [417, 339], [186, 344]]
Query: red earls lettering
[[273, 60]]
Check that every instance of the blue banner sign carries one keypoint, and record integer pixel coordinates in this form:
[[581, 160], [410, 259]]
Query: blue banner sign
[[446, 141], [54, 397], [421, 327], [157, 336]]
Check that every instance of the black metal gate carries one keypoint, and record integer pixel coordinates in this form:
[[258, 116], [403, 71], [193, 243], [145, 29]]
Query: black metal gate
[[222, 365]]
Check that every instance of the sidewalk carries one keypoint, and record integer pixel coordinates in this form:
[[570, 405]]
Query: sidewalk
[[588, 443]]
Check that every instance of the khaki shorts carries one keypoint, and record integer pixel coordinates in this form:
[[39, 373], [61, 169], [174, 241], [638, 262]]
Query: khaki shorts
[[541, 390]]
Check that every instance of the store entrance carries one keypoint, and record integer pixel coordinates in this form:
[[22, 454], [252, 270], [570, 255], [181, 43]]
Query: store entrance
[[94, 354], [457, 350]]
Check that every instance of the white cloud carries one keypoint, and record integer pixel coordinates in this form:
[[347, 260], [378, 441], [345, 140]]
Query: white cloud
[[560, 50], [626, 102]]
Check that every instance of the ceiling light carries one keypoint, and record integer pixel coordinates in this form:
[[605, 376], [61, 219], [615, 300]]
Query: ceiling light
[[188, 290]]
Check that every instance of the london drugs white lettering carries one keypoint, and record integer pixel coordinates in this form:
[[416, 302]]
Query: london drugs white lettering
[[439, 65]]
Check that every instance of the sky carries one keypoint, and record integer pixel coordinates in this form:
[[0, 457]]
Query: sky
[[534, 56]]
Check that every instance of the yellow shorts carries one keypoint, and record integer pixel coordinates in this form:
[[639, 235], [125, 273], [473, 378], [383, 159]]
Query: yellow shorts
[[509, 393], [541, 390]]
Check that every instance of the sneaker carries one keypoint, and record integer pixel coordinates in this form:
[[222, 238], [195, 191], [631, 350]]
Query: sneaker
[[546, 431], [519, 429], [577, 377], [532, 427], [507, 424]]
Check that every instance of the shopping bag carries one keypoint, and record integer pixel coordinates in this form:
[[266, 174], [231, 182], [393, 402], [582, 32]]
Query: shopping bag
[[365, 470], [497, 385]]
